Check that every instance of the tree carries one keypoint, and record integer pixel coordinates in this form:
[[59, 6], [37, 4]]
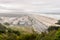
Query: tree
[[58, 22], [51, 28], [58, 35], [6, 23], [2, 28]]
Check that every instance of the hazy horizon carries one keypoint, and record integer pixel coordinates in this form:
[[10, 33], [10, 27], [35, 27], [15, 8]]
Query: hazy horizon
[[45, 7]]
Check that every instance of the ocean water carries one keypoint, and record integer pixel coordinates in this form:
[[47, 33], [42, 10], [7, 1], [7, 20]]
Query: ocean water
[[52, 16]]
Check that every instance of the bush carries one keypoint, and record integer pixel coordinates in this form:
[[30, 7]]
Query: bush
[[27, 37]]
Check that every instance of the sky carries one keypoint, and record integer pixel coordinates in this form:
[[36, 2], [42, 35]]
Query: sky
[[43, 6]]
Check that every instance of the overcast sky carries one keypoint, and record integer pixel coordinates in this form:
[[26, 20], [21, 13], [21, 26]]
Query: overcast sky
[[43, 6]]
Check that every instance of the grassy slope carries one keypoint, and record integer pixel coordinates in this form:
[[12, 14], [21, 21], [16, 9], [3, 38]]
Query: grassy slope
[[23, 29]]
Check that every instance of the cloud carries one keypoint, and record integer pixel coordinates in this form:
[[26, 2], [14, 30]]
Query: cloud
[[5, 11], [30, 5]]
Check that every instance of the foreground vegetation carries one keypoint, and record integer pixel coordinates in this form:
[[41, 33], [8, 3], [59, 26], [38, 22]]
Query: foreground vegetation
[[10, 34]]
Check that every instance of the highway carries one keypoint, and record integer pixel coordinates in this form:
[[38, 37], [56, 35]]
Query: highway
[[42, 23]]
